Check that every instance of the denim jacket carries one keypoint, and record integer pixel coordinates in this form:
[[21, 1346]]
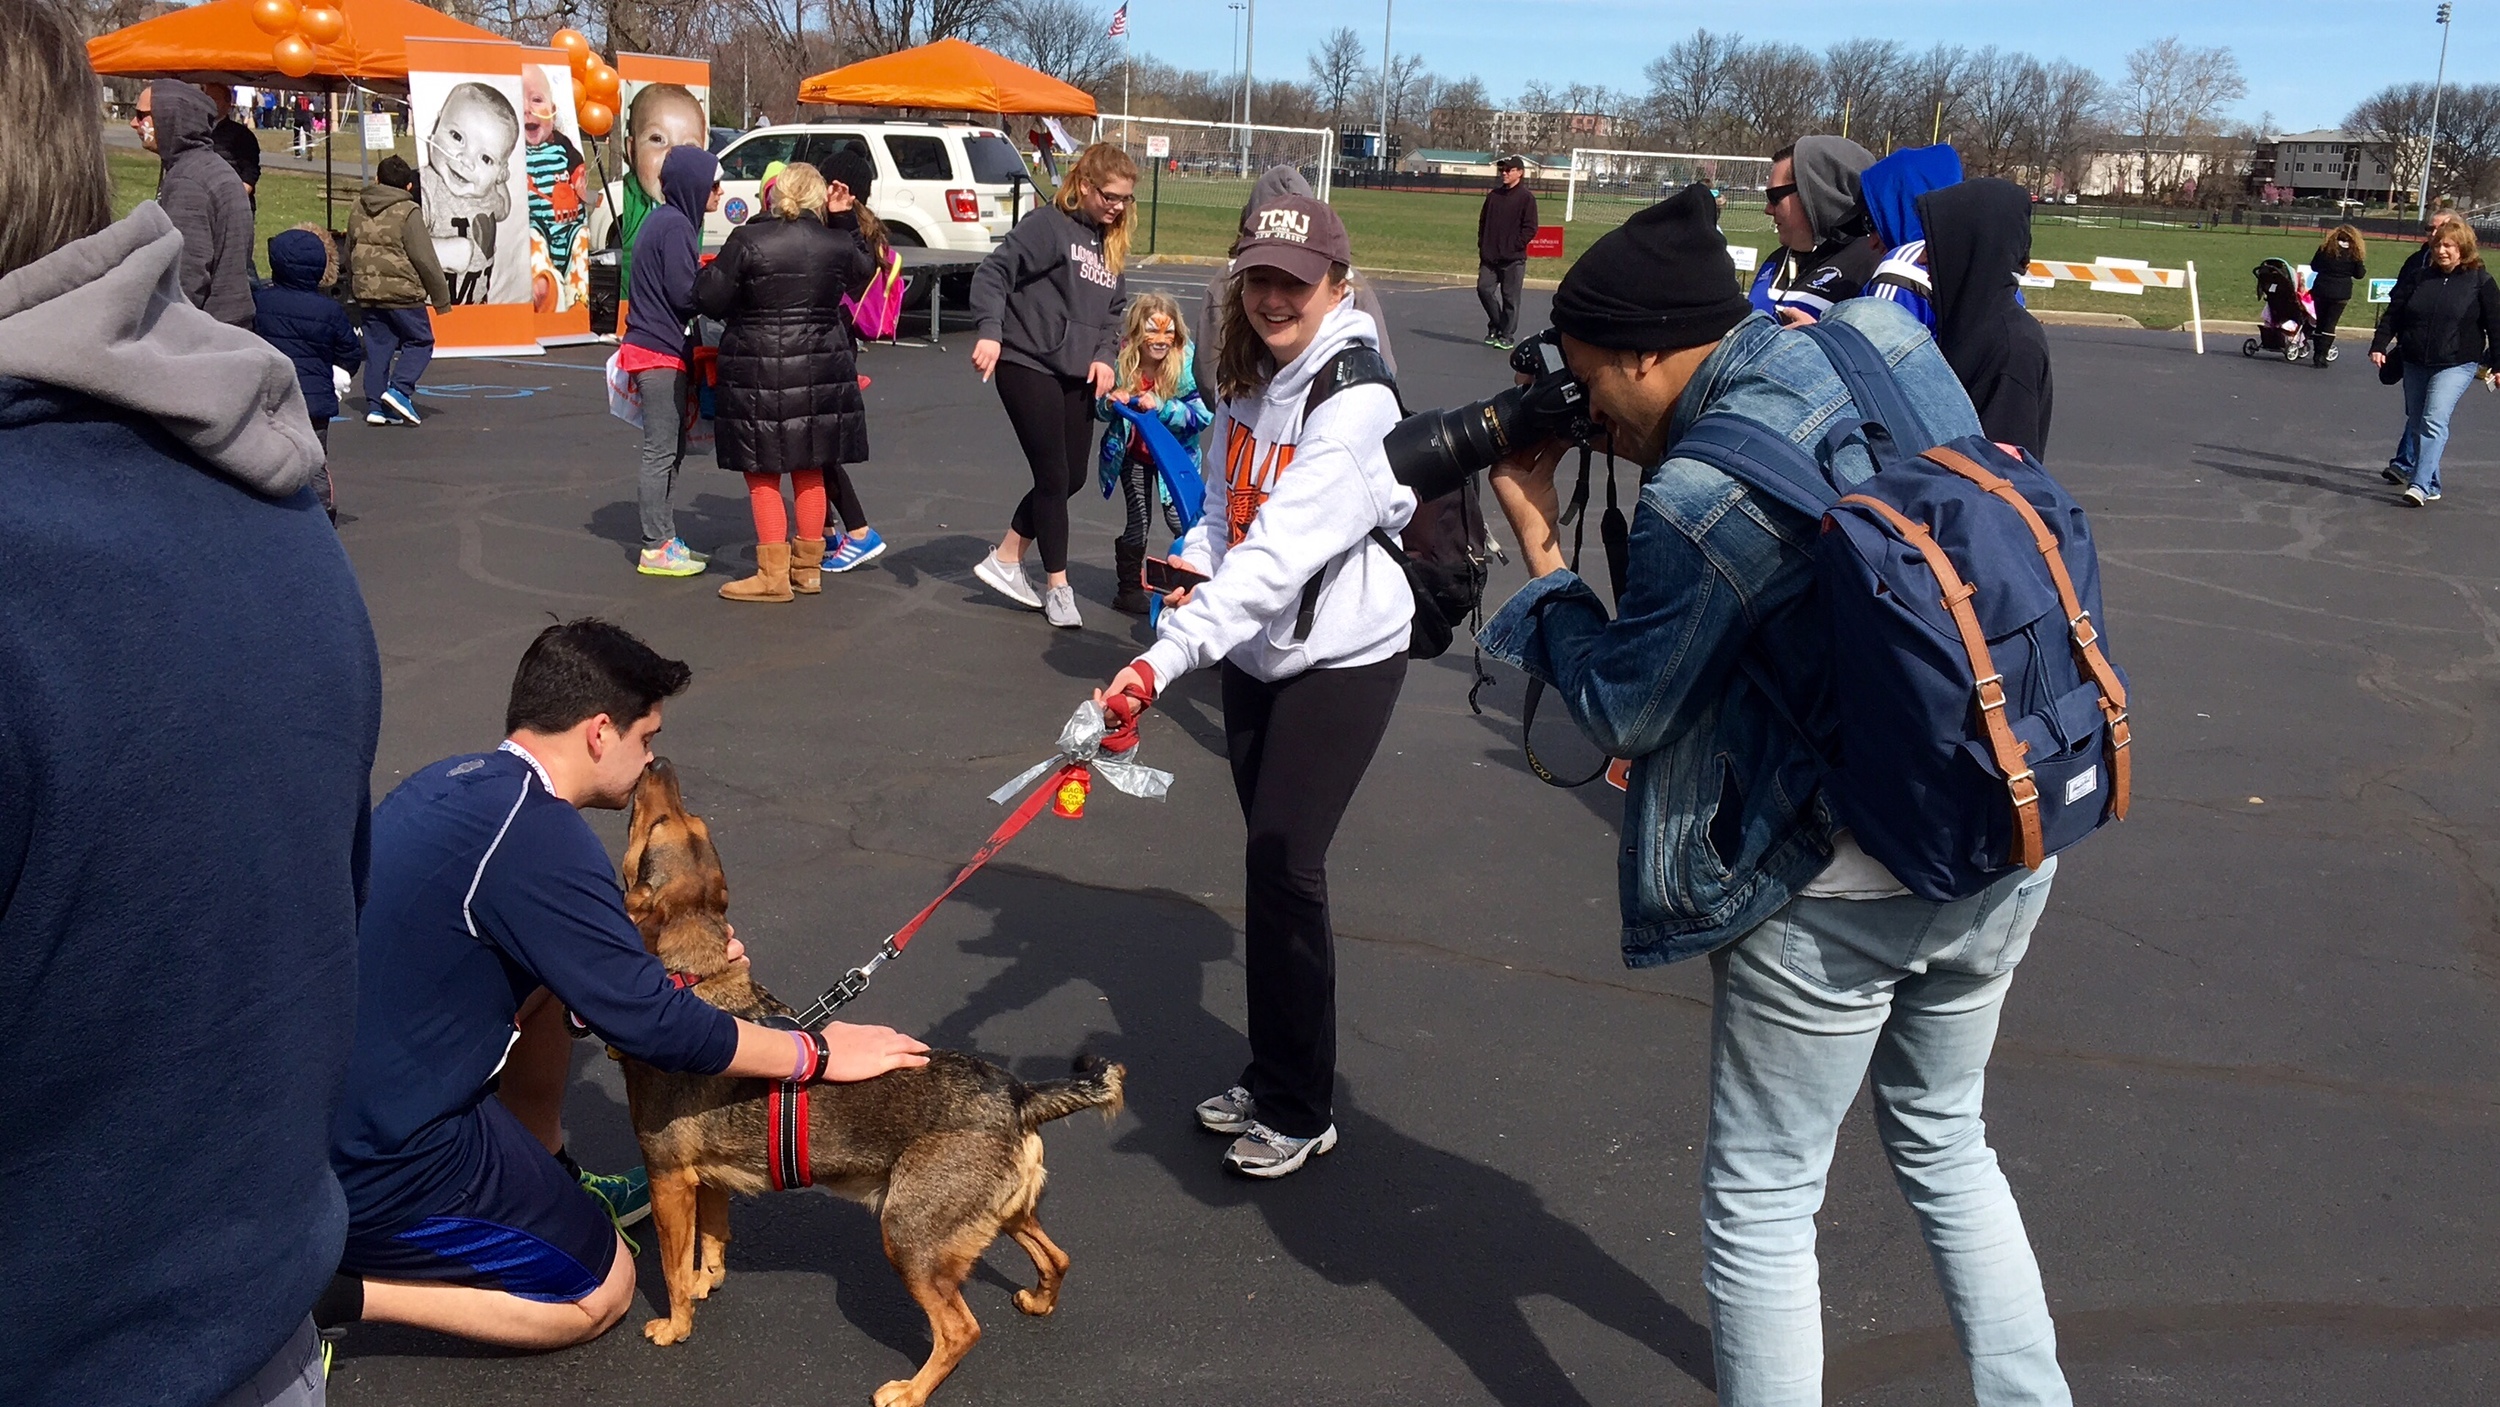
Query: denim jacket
[[1724, 819]]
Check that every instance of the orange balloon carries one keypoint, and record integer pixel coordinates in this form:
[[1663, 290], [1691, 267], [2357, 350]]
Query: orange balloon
[[324, 25], [295, 57], [596, 118], [275, 16], [574, 43], [600, 83]]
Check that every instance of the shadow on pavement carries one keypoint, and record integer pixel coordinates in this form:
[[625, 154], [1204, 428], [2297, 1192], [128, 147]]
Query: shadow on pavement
[[1458, 1244]]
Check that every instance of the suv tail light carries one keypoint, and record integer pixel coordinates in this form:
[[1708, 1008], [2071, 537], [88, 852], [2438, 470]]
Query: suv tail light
[[964, 206]]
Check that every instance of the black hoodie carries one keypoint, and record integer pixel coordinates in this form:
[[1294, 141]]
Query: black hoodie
[[206, 201], [659, 300], [1978, 241]]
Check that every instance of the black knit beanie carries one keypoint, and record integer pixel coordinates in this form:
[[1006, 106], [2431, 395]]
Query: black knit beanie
[[1660, 281], [853, 170]]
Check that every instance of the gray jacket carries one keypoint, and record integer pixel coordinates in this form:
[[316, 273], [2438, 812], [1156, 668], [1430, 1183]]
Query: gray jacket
[[206, 201], [1208, 336], [1048, 299]]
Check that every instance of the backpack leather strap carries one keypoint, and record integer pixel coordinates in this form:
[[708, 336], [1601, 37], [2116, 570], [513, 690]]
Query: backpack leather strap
[[2010, 751], [2087, 640]]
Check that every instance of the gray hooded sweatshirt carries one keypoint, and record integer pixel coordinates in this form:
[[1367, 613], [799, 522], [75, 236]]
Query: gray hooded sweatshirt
[[106, 316], [1205, 338], [206, 201]]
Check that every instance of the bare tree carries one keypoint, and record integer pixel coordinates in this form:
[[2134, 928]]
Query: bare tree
[[1338, 71], [1775, 93], [2468, 165], [1067, 39], [1995, 135], [1462, 116], [2173, 95], [1859, 78], [1689, 87], [2069, 121]]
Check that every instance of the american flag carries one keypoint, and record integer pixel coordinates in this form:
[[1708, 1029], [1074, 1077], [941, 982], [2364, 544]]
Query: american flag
[[1119, 23]]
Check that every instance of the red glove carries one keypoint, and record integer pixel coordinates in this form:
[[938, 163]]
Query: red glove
[[1121, 710]]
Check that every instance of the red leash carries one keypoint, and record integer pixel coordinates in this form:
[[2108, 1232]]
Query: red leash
[[854, 982]]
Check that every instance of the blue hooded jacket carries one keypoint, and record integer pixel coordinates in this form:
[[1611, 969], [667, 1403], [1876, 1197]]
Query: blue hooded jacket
[[293, 315], [659, 300], [1891, 188]]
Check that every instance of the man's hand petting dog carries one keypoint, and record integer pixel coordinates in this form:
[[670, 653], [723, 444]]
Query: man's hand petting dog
[[856, 1053]]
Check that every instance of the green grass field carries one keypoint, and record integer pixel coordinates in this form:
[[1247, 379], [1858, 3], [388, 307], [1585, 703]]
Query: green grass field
[[1436, 233], [285, 198]]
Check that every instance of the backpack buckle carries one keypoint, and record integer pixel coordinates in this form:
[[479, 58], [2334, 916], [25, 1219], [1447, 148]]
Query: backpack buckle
[[2085, 636], [2026, 791], [1991, 692]]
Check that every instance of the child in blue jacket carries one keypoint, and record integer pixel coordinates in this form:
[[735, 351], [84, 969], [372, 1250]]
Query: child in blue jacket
[[293, 315], [1154, 374]]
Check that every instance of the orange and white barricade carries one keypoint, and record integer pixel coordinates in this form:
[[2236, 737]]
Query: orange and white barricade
[[2129, 276]]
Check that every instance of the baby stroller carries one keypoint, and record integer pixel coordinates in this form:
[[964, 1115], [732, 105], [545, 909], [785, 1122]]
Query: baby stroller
[[2286, 319]]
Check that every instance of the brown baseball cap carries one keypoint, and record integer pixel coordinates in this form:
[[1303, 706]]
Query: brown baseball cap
[[1296, 234]]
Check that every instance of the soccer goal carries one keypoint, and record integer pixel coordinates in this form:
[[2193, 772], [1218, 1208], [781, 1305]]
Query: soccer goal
[[1612, 184], [1215, 163]]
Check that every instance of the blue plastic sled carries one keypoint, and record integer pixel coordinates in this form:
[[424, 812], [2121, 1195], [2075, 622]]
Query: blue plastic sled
[[1179, 469]]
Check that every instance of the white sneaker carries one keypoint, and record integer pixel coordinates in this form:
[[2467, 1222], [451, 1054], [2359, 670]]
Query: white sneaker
[[1263, 1152], [1059, 607], [1229, 1112], [1007, 579], [2415, 497]]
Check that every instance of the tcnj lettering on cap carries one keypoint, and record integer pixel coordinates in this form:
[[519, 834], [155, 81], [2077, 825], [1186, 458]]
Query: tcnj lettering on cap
[[1285, 224]]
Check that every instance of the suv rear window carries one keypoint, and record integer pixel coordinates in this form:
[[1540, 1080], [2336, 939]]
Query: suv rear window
[[994, 161], [920, 158], [747, 160]]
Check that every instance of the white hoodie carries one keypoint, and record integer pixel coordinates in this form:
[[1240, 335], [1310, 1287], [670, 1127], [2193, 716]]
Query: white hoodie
[[1316, 518]]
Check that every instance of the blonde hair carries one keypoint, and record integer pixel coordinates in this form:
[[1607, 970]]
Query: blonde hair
[[329, 253], [798, 190], [1093, 168], [1167, 382], [1242, 364], [2460, 234]]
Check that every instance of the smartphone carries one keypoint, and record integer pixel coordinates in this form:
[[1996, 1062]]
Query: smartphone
[[1171, 574]]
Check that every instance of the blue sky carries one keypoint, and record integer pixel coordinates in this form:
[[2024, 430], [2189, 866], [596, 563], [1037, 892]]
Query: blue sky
[[2306, 61]]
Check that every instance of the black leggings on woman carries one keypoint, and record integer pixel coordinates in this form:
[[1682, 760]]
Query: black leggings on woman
[[845, 498], [2330, 312], [1299, 747], [1054, 420]]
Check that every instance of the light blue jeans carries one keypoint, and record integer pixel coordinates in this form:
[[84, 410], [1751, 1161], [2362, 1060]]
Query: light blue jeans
[[1807, 1006], [2430, 398]]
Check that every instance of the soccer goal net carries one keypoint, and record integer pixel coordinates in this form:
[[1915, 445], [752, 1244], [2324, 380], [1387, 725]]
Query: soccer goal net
[[1214, 163], [1609, 185]]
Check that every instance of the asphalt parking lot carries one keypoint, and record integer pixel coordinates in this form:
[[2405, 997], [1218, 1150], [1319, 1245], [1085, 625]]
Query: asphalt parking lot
[[2246, 1089]]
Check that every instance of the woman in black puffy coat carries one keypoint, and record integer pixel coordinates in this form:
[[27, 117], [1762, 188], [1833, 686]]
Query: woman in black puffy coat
[[2334, 269], [789, 399]]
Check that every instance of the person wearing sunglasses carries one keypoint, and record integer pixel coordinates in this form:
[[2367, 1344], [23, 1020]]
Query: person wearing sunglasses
[[1827, 252], [202, 196]]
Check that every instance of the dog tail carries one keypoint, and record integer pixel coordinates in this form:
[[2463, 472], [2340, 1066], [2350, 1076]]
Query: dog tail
[[1096, 1084]]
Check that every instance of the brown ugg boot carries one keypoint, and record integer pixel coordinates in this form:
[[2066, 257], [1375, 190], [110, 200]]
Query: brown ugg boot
[[771, 581], [807, 560]]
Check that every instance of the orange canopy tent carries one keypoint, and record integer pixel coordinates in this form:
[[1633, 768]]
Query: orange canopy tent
[[950, 76], [216, 42]]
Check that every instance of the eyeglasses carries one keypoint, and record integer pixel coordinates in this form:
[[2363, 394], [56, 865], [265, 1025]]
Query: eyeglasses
[[1776, 194], [1108, 198]]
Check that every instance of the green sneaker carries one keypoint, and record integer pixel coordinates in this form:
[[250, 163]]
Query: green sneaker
[[626, 1195], [670, 558]]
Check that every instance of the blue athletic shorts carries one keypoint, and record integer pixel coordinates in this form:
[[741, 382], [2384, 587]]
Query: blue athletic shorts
[[523, 1225]]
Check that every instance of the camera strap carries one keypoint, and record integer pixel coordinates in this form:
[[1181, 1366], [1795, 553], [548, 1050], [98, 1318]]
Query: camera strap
[[1614, 538]]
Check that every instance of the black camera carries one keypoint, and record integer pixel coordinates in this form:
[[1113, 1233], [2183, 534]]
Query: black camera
[[1433, 451]]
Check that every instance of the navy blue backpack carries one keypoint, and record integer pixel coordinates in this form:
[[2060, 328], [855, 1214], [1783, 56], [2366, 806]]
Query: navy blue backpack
[[1980, 725]]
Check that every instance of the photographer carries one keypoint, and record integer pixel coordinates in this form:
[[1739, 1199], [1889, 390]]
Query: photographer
[[1310, 619], [1823, 966]]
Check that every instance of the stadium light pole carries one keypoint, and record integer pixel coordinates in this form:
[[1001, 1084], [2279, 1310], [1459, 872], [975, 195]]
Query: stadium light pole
[[1387, 9], [2423, 201], [1234, 107]]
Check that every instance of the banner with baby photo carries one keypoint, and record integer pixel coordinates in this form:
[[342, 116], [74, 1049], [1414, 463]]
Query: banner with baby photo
[[466, 100], [563, 185], [662, 102]]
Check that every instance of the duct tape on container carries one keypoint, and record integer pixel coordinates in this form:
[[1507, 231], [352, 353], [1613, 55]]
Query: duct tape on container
[[1080, 743]]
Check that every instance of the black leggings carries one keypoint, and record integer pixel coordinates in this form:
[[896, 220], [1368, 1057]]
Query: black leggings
[[845, 498], [1054, 420], [1299, 748]]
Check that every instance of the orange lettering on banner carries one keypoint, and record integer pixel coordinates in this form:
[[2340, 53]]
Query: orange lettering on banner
[[1246, 489]]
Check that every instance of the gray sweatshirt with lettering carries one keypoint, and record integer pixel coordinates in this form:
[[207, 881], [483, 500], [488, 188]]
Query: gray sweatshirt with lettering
[[1048, 298]]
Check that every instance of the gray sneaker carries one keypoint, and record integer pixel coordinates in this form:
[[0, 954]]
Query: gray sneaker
[[1229, 1112], [1059, 607], [1263, 1152], [1008, 580]]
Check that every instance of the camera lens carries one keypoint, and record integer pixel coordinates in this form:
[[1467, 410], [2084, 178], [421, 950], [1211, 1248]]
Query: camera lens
[[1433, 451]]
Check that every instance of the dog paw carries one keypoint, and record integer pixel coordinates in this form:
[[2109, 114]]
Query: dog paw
[[1035, 1303], [667, 1331], [902, 1392]]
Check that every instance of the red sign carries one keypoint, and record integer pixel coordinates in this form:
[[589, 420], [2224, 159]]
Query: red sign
[[1547, 244]]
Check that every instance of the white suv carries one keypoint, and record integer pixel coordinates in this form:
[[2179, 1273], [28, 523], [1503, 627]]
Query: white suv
[[940, 185]]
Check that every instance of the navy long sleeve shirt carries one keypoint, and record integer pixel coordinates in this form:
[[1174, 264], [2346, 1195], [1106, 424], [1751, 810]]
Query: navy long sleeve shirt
[[485, 886]]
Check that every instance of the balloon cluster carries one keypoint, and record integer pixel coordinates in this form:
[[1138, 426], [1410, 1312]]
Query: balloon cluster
[[297, 28], [595, 85]]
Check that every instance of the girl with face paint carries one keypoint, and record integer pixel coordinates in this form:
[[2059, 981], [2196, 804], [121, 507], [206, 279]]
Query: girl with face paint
[[1153, 374]]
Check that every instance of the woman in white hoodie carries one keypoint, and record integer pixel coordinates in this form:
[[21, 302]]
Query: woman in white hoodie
[[1309, 619]]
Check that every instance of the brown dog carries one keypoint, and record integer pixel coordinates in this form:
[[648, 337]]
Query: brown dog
[[945, 1153]]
